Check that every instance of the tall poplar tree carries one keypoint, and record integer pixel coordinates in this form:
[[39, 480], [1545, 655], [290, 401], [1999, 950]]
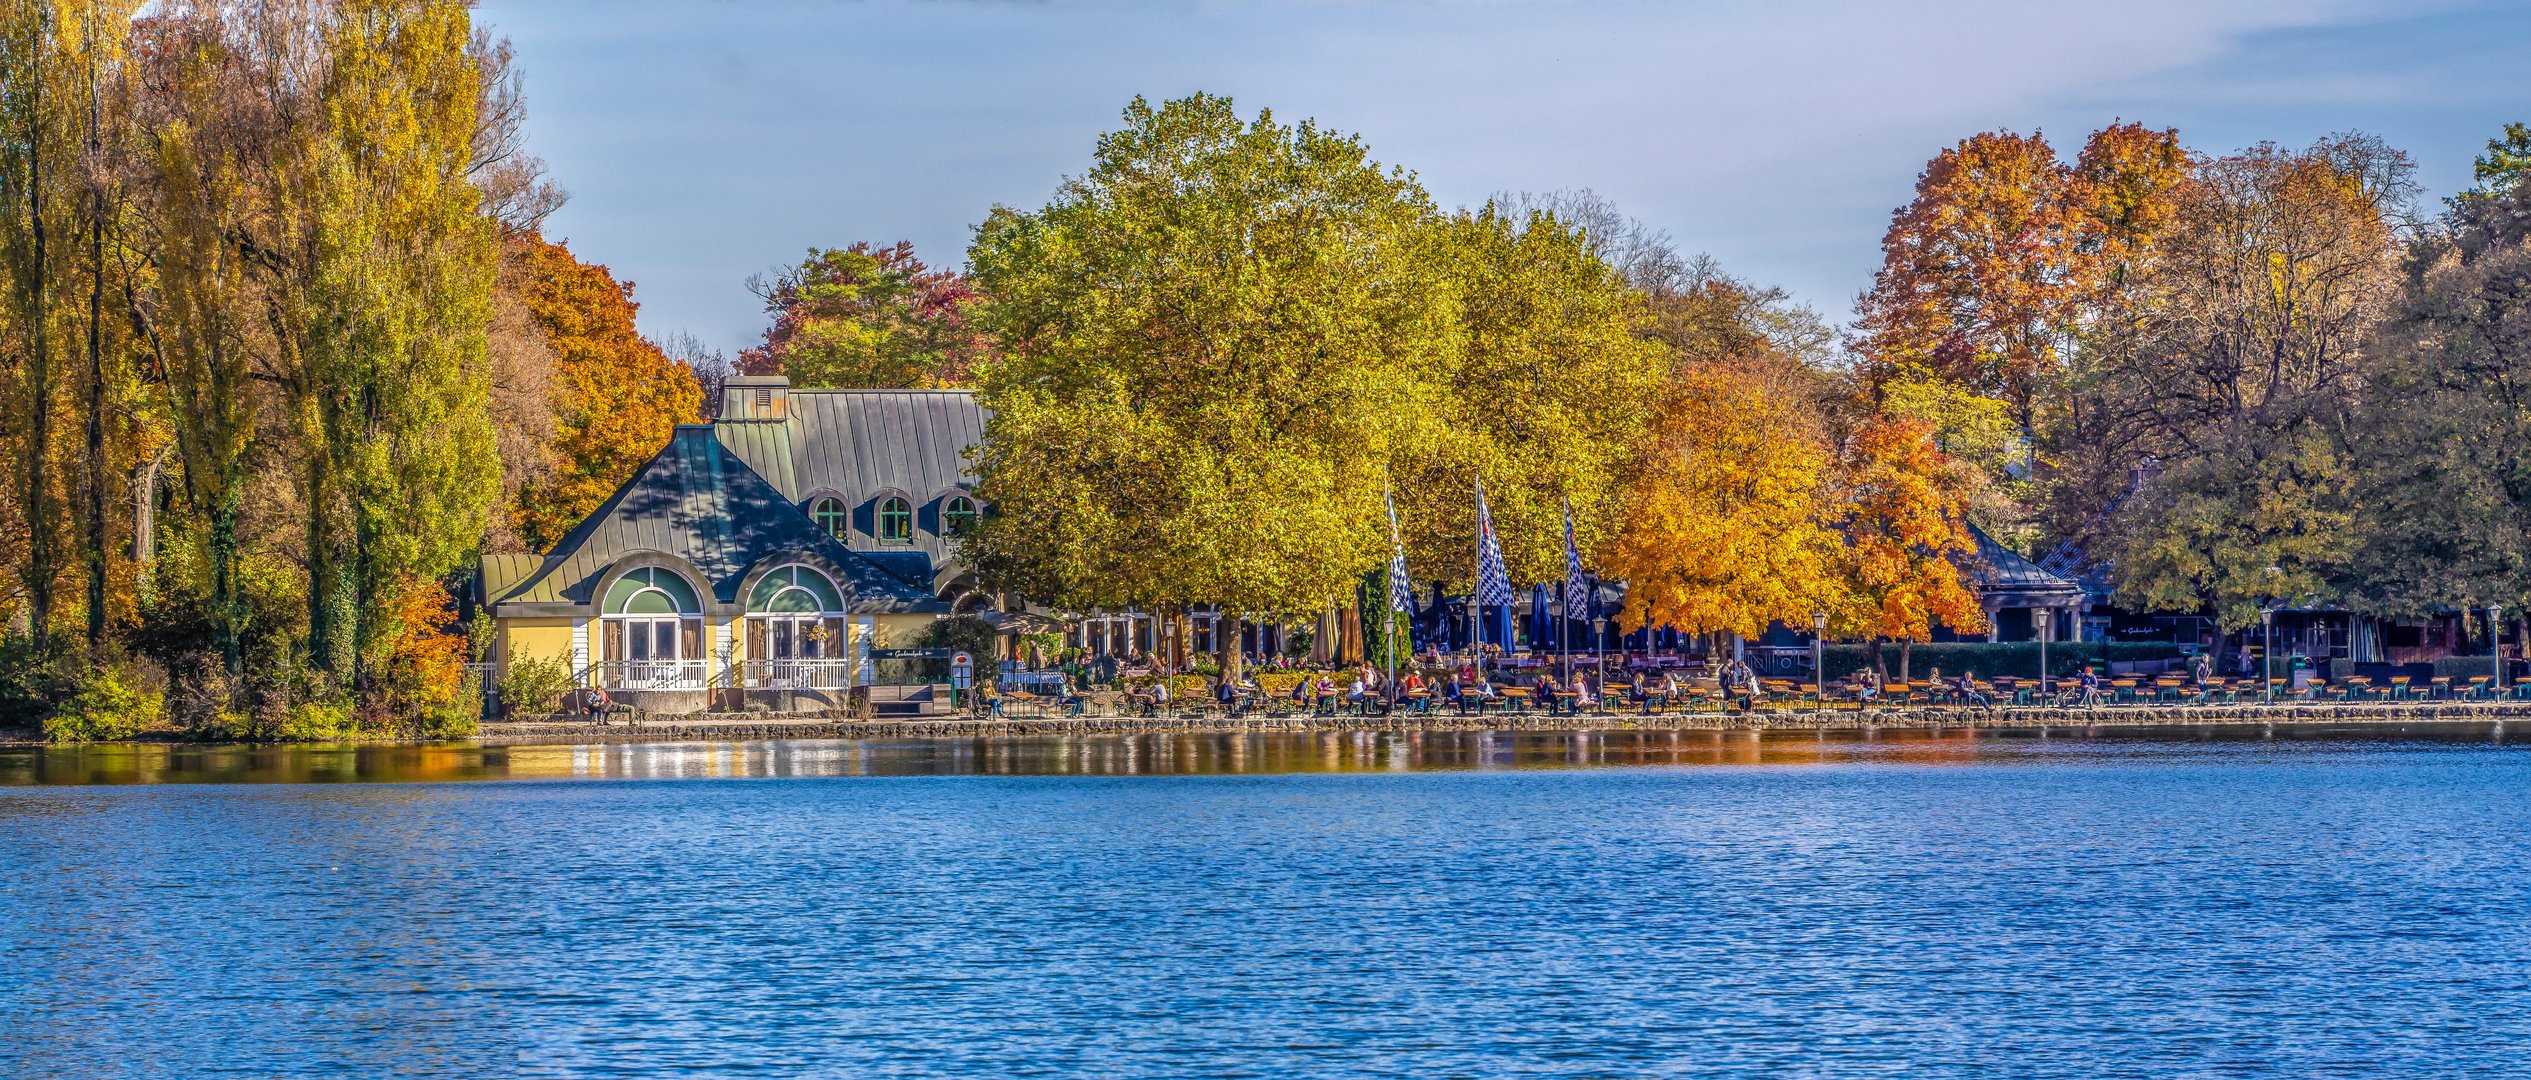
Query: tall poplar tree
[[406, 260], [38, 174]]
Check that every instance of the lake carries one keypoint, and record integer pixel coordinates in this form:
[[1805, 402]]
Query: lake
[[2299, 903]]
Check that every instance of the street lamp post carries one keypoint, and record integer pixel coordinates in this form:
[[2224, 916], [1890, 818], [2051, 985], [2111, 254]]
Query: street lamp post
[[2267, 657], [2043, 624], [2496, 648], [1819, 661]]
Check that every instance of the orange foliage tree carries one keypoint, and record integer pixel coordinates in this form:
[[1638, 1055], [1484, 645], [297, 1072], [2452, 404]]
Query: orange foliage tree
[[1901, 503], [1721, 530], [1977, 272], [616, 396], [421, 666]]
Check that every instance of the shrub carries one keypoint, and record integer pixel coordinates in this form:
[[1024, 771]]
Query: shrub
[[458, 717], [315, 721], [422, 670], [34, 675], [959, 633], [535, 686], [106, 709]]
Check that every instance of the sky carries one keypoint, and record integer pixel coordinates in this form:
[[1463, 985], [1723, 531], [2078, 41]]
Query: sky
[[703, 142]]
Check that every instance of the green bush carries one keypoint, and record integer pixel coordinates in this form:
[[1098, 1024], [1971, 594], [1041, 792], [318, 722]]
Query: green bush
[[34, 677], [315, 721], [959, 633], [457, 718], [106, 709], [535, 686]]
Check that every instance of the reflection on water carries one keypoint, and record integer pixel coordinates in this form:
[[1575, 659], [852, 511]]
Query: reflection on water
[[1199, 754]]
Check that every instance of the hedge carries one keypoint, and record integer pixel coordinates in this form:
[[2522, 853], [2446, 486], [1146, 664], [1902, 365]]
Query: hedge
[[1990, 659]]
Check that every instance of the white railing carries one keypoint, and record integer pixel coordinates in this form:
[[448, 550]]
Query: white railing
[[651, 674], [822, 674]]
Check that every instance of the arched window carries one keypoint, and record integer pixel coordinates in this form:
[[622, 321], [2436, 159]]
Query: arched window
[[830, 516], [896, 521], [795, 630], [653, 631], [957, 516]]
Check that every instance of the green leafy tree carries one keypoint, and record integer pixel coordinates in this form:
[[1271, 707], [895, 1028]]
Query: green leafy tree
[[385, 352], [1214, 341], [2243, 380], [2445, 441], [1547, 397], [868, 317]]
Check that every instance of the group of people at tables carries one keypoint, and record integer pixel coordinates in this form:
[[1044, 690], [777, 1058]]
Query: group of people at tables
[[1470, 689]]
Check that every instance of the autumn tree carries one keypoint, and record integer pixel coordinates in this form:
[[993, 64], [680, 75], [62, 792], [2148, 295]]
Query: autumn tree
[[2247, 365], [1214, 339], [1980, 272], [1723, 528], [1901, 513], [38, 211], [616, 396], [866, 316], [389, 380]]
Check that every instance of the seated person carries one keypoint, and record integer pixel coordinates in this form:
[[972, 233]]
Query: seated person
[[1544, 690], [1965, 688], [1584, 697]]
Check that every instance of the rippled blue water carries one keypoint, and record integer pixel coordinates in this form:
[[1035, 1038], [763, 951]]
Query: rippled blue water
[[1996, 908]]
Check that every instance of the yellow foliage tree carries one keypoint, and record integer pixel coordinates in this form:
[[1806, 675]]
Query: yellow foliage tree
[[1721, 531]]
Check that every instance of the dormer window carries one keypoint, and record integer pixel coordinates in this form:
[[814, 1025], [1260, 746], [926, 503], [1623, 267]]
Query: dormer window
[[957, 516], [830, 517], [896, 521]]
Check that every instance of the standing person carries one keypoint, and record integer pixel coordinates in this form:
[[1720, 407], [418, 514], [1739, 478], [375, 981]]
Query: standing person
[[2201, 668]]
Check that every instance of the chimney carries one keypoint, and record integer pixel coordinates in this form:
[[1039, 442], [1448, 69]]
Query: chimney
[[755, 397]]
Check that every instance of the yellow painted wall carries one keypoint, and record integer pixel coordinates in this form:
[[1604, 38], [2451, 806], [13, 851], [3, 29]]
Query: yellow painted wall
[[547, 639], [900, 631]]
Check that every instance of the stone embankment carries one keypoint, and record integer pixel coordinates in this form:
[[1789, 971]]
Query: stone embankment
[[2386, 716]]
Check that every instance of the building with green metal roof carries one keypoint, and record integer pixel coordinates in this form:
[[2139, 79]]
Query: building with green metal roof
[[771, 551]]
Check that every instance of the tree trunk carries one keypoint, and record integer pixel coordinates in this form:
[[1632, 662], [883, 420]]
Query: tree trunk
[[40, 534], [97, 472], [1227, 632], [1880, 664], [1905, 645]]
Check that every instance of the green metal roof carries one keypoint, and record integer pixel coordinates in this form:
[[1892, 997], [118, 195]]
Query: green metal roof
[[699, 503]]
